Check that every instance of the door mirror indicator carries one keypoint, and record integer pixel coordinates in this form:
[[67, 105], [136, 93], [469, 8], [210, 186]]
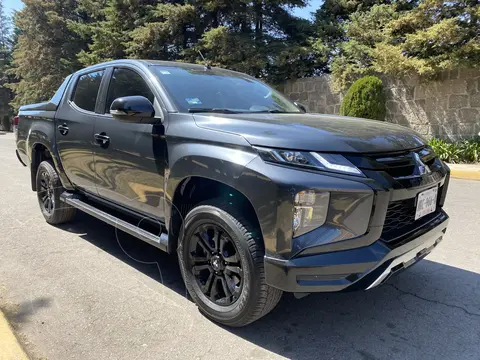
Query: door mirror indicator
[[133, 109]]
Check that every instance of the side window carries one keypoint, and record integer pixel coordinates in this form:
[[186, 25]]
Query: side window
[[127, 82], [85, 95]]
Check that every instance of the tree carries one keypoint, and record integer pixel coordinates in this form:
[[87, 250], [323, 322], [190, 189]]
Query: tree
[[263, 39], [260, 37], [47, 48], [355, 56], [166, 34], [5, 61], [424, 39], [433, 37], [330, 20]]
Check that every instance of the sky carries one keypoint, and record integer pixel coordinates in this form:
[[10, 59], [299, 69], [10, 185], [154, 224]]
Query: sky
[[305, 12], [11, 5]]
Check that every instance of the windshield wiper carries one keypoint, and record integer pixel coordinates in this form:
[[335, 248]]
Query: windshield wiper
[[272, 111], [214, 110]]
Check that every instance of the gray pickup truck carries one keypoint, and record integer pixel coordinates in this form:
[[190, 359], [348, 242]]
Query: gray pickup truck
[[255, 195]]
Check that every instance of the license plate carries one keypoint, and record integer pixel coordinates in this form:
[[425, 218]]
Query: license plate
[[426, 203]]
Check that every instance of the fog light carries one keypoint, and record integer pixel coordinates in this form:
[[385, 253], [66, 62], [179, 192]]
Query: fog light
[[310, 211]]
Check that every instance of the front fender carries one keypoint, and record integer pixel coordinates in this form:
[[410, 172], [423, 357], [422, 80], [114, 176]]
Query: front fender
[[214, 162]]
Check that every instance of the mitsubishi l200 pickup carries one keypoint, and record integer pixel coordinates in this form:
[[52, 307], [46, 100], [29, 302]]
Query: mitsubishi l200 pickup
[[256, 196]]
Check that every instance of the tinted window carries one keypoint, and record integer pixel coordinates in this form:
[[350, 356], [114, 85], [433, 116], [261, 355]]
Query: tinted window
[[59, 93], [126, 82], [197, 88], [86, 92]]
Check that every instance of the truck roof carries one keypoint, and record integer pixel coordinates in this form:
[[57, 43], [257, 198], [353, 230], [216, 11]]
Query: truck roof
[[147, 63]]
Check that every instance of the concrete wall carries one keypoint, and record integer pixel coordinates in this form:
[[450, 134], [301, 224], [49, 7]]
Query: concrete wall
[[447, 108]]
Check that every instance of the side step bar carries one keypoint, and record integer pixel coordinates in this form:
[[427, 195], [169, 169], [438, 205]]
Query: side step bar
[[160, 242]]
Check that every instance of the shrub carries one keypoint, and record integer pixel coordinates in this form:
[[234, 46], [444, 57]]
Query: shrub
[[365, 99], [466, 151]]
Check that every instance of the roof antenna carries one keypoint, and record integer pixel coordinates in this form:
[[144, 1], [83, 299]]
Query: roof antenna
[[207, 65]]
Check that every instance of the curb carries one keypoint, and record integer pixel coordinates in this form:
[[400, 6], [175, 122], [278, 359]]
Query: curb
[[10, 348], [468, 172]]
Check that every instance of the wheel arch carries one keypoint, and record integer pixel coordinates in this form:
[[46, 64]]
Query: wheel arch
[[40, 148], [193, 190], [39, 152]]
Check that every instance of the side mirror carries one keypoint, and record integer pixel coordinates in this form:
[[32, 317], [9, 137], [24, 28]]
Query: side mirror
[[301, 106], [133, 109]]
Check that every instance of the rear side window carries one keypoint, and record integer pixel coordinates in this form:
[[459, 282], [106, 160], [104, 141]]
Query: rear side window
[[127, 82], [86, 92], [59, 93]]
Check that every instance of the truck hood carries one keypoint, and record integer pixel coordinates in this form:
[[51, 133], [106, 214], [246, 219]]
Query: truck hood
[[314, 132]]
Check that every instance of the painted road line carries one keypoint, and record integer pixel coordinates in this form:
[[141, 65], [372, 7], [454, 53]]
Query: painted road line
[[10, 348]]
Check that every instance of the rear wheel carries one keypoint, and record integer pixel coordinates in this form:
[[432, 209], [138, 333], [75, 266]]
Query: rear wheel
[[49, 189], [221, 259]]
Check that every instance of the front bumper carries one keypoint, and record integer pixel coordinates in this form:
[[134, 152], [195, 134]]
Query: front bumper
[[354, 269]]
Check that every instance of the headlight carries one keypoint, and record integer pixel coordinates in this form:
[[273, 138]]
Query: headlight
[[309, 211], [326, 162]]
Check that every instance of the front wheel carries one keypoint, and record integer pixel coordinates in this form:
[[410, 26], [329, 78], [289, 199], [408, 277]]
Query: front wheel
[[49, 189], [221, 259]]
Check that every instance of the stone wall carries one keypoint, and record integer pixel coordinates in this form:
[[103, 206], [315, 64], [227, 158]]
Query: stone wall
[[447, 108]]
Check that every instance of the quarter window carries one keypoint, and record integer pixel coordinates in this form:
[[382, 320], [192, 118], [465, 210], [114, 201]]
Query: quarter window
[[127, 82], [86, 92]]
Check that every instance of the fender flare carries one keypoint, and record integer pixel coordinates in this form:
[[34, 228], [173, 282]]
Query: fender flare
[[217, 163], [35, 138]]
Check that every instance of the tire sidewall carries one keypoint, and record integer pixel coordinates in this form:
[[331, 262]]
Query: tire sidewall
[[57, 188], [251, 284]]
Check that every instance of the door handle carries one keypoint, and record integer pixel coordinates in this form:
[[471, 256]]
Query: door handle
[[63, 129], [102, 139]]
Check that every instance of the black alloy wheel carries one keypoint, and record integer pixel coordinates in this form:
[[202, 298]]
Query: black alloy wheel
[[49, 190], [216, 264], [46, 193], [221, 257]]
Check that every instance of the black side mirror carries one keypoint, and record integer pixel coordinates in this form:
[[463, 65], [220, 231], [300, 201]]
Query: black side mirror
[[133, 109], [301, 106]]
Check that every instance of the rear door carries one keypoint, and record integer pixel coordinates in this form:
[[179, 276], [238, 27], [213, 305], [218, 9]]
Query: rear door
[[74, 123], [130, 158]]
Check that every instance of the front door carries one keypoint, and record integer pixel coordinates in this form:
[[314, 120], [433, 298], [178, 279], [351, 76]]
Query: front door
[[130, 158], [74, 123]]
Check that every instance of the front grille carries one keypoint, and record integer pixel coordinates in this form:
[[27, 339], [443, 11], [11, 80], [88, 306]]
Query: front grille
[[403, 165], [398, 165], [400, 218], [409, 169]]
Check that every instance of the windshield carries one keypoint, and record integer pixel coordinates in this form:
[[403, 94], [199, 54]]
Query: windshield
[[195, 89]]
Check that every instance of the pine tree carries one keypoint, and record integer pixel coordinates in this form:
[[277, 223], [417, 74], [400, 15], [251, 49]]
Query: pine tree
[[168, 32], [47, 48], [260, 37], [399, 39], [5, 60], [115, 20]]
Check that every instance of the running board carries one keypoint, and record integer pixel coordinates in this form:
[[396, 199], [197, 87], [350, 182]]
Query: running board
[[160, 242]]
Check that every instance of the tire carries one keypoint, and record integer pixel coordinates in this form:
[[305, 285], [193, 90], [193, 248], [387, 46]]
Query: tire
[[49, 189], [251, 297]]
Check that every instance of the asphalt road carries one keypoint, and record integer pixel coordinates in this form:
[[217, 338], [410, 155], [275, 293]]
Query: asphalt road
[[81, 291]]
